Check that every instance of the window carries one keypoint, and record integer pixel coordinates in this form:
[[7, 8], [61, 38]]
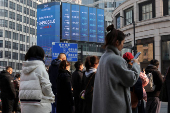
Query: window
[[10, 24], [24, 29], [28, 40], [6, 13], [25, 10], [11, 15], [147, 12], [1, 33], [3, 63], [8, 54], [6, 3], [1, 43], [19, 8], [15, 46], [118, 21], [34, 5], [27, 20], [22, 56], [11, 5], [3, 12], [25, 2], [22, 47], [33, 14], [21, 1], [24, 19], [19, 17], [128, 16], [1, 54], [27, 47], [8, 44], [7, 34], [14, 55], [30, 3], [15, 36], [27, 29], [3, 23], [166, 7]]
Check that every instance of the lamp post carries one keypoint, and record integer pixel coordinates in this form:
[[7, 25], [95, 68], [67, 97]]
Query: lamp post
[[134, 47]]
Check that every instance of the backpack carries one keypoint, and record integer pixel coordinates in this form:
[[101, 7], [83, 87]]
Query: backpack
[[151, 86]]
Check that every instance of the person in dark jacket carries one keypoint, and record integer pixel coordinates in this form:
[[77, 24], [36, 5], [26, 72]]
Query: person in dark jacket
[[7, 90], [16, 106], [64, 94], [91, 65], [76, 84], [153, 103], [53, 72], [137, 88]]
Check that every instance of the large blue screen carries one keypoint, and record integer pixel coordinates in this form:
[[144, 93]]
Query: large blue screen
[[48, 25], [84, 15], [100, 25], [92, 25], [66, 9], [75, 28]]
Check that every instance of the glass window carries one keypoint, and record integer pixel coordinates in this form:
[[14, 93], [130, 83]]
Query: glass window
[[27, 29], [3, 23], [129, 16], [13, 25], [25, 2], [118, 22], [1, 43], [147, 12], [14, 55], [23, 38], [21, 1], [33, 14], [17, 27], [28, 39], [25, 19], [34, 5], [1, 33], [27, 47], [8, 54], [18, 7], [18, 17], [24, 29], [8, 44], [6, 3], [1, 54], [7, 34], [10, 24], [25, 10], [30, 3], [6, 13], [11, 5]]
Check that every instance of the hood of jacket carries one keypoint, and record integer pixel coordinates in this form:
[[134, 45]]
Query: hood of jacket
[[91, 70], [3, 74], [55, 62], [150, 68], [29, 66]]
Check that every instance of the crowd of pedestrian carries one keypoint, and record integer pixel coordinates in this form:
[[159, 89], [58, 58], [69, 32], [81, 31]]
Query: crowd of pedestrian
[[110, 84]]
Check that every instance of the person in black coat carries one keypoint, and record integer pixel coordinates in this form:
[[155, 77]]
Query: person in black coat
[[7, 90], [53, 72], [64, 93], [153, 103], [91, 65], [76, 84]]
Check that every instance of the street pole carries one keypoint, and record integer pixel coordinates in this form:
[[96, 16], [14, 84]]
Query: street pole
[[134, 38]]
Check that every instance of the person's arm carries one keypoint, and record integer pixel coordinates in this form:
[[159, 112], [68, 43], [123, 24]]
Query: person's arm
[[138, 89], [11, 87], [125, 76], [158, 80]]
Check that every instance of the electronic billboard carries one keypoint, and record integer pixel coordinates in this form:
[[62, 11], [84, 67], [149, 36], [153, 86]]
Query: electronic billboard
[[92, 25], [84, 28], [75, 28], [66, 14], [100, 25], [48, 25]]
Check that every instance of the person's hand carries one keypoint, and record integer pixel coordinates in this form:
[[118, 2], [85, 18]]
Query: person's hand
[[136, 61]]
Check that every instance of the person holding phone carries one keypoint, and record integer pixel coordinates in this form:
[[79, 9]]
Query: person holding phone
[[113, 78]]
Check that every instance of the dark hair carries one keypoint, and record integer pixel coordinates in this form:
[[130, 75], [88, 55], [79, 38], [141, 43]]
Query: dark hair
[[17, 75], [8, 67], [35, 52], [64, 64], [77, 65], [90, 61], [113, 36], [154, 62], [127, 60]]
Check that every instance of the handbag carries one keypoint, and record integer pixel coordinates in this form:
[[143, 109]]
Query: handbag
[[163, 96], [82, 94]]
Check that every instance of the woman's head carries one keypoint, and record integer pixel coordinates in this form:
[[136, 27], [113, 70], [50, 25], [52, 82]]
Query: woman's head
[[91, 61], [64, 65], [114, 37], [35, 52], [78, 65]]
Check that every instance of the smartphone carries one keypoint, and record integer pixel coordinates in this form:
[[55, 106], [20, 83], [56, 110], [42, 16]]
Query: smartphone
[[136, 56]]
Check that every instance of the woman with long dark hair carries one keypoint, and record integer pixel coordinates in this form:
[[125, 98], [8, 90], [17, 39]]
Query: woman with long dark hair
[[113, 78], [91, 65], [64, 93]]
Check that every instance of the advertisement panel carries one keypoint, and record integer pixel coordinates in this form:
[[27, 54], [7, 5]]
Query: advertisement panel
[[92, 25], [84, 15], [66, 10], [75, 28], [48, 25], [100, 25]]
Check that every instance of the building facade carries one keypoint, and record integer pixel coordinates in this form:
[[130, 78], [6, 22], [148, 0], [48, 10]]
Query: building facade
[[17, 27], [152, 24]]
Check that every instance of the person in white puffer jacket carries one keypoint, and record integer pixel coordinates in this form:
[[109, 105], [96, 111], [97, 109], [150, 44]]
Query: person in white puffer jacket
[[35, 91]]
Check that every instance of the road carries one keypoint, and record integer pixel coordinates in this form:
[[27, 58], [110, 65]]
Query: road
[[164, 106]]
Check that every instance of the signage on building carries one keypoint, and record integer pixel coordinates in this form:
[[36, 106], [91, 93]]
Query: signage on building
[[70, 49]]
